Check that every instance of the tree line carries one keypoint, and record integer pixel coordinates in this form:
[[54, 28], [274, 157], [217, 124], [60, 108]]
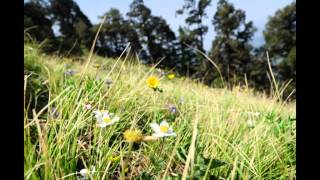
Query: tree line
[[235, 60]]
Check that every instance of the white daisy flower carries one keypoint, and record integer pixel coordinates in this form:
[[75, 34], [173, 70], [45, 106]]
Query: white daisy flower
[[104, 118], [84, 172], [162, 130]]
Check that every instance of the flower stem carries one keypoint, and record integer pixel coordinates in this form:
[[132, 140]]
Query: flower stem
[[162, 145]]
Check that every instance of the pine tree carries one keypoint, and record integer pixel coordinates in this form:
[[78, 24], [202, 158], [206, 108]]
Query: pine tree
[[154, 33], [115, 34], [74, 26], [36, 21], [195, 12], [280, 36], [231, 49]]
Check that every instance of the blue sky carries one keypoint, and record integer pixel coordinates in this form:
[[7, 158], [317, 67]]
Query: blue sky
[[256, 10]]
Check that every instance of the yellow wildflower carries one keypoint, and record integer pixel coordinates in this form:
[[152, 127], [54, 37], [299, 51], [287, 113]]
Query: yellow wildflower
[[97, 65], [114, 159], [153, 82], [171, 76], [133, 135]]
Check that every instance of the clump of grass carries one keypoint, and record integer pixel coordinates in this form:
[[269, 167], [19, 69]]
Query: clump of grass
[[213, 136]]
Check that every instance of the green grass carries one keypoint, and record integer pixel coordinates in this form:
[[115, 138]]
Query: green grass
[[59, 145]]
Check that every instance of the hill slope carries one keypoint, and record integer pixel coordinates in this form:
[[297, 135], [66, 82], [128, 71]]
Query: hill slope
[[237, 134]]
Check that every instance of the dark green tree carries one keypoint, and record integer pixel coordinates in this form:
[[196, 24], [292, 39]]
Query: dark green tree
[[193, 35], [163, 43], [231, 49], [259, 76], [74, 26], [154, 33], [195, 12], [38, 25], [280, 37], [115, 34], [187, 59], [36, 20]]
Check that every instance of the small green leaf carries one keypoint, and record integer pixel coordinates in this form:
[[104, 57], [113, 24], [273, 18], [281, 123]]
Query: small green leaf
[[181, 154], [215, 163]]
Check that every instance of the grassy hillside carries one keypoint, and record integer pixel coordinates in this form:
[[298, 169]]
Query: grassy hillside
[[219, 133]]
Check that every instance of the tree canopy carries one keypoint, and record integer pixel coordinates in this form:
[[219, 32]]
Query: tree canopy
[[68, 31], [231, 47]]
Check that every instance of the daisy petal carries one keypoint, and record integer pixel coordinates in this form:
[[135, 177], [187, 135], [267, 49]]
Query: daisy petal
[[99, 120], [155, 127], [158, 135], [96, 112], [105, 114], [102, 124], [170, 130], [172, 134], [164, 123], [83, 172], [115, 119], [169, 134]]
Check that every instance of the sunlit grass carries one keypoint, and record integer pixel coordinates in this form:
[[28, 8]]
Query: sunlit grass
[[232, 141]]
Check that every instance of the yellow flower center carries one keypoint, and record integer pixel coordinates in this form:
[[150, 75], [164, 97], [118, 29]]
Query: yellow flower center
[[107, 120], [153, 82], [113, 159], [164, 128], [171, 76], [132, 135]]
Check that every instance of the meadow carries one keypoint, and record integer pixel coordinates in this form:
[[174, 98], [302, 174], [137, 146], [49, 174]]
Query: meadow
[[109, 120]]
